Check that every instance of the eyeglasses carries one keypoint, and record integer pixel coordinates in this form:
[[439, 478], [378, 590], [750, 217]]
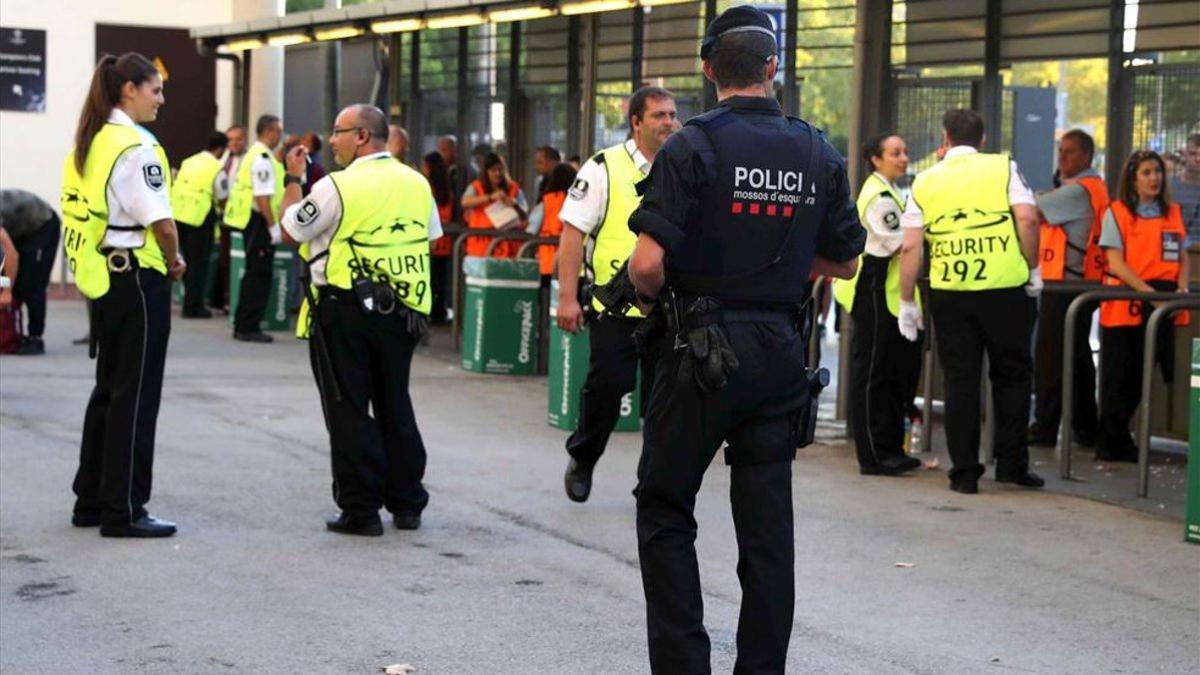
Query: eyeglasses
[[335, 131]]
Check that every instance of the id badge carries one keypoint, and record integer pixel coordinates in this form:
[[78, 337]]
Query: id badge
[[1172, 247]]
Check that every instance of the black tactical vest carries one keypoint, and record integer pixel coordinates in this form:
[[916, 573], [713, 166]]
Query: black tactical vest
[[756, 224]]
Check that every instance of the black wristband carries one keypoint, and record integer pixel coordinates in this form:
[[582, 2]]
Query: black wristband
[[289, 179]]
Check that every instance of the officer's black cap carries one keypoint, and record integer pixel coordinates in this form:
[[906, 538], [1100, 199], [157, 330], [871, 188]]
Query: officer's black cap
[[742, 18]]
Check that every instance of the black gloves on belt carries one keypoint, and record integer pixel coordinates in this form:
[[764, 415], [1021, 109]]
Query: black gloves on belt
[[418, 323], [709, 359]]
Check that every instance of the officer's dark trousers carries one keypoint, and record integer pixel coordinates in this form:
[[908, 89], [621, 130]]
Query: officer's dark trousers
[[37, 253], [130, 326], [612, 373], [376, 448], [1121, 352], [883, 372], [256, 284], [220, 287], [755, 414], [195, 242], [1048, 368], [969, 324], [439, 276]]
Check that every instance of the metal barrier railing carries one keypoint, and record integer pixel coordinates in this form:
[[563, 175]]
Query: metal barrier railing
[[1143, 440], [534, 243], [506, 235], [1068, 386]]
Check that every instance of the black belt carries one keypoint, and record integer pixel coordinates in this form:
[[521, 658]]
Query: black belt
[[120, 260]]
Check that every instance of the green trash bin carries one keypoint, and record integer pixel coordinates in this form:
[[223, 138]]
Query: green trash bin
[[569, 356], [1192, 527], [500, 328], [275, 317]]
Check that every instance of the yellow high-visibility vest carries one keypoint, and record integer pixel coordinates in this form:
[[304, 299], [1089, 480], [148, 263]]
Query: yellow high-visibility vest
[[969, 224], [192, 196], [614, 240], [85, 207], [844, 289], [241, 194]]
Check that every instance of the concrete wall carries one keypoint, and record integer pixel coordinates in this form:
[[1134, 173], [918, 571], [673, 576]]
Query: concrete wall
[[33, 145]]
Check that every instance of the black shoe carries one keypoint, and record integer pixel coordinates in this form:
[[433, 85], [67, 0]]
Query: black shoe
[[256, 336], [82, 341], [407, 521], [1086, 439], [891, 467], [142, 528], [196, 314], [364, 526], [578, 480], [967, 487], [31, 346], [1024, 478], [85, 519]]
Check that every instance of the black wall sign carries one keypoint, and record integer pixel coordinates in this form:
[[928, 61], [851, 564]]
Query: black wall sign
[[22, 69]]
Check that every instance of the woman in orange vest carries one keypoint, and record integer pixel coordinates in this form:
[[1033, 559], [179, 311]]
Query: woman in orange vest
[[433, 166], [1145, 244], [493, 185], [544, 222]]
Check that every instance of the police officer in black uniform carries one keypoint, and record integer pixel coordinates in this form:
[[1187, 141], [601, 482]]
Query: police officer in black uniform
[[741, 206]]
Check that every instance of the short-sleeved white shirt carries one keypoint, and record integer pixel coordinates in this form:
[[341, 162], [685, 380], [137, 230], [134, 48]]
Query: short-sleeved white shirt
[[882, 218], [315, 219], [1018, 190], [262, 176], [588, 197], [136, 198]]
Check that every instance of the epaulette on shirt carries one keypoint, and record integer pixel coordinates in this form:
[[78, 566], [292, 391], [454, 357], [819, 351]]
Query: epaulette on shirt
[[598, 157]]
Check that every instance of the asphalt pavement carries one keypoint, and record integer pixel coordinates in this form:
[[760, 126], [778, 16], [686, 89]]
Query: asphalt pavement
[[894, 575]]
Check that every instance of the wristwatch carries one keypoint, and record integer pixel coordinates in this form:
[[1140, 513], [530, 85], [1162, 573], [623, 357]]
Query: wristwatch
[[289, 179]]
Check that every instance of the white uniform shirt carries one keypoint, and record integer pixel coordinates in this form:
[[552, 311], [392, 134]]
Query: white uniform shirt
[[1018, 191], [137, 190], [884, 235], [587, 200], [262, 179], [229, 168], [315, 219]]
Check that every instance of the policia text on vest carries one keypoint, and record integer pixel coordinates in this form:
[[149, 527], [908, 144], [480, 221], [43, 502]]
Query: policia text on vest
[[364, 235]]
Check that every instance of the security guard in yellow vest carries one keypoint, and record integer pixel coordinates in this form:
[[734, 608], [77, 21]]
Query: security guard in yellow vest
[[364, 233], [253, 207], [597, 208], [884, 367], [980, 220], [199, 189], [121, 246]]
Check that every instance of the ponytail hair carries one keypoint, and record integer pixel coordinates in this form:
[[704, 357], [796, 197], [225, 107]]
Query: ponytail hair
[[104, 94]]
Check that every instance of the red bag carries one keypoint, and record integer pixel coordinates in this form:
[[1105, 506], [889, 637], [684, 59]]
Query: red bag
[[10, 328]]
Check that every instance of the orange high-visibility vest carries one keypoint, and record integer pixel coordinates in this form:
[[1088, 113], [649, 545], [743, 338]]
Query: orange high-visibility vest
[[1052, 242], [477, 219], [444, 244], [552, 203], [1153, 249]]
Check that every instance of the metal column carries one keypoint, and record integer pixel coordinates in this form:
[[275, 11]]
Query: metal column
[[639, 48], [710, 92], [587, 128], [791, 93], [991, 97], [1117, 130], [517, 143], [244, 106], [413, 119], [463, 121], [574, 88]]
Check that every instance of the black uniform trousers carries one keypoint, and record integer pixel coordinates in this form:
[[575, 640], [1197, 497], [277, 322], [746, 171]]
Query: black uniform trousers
[[377, 454], [256, 283], [884, 370], [439, 278], [612, 373], [1047, 361], [220, 288], [755, 413], [1121, 352], [196, 243], [37, 252], [970, 323], [130, 327]]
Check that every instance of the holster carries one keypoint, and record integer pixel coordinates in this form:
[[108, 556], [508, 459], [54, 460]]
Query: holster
[[806, 416]]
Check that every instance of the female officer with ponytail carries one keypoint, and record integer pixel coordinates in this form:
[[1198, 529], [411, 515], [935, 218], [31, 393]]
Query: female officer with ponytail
[[122, 246]]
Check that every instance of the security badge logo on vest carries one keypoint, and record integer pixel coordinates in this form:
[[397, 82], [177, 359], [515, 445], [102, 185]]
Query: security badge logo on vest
[[153, 173], [307, 213], [755, 188], [579, 189]]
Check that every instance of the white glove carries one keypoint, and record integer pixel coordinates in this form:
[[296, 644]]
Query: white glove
[[910, 321], [276, 234], [1033, 287]]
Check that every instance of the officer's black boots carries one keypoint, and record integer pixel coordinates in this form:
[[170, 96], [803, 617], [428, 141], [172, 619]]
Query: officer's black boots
[[146, 527], [407, 521], [363, 526], [1025, 478], [578, 480]]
